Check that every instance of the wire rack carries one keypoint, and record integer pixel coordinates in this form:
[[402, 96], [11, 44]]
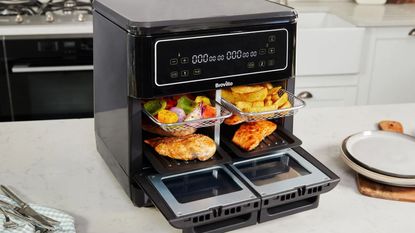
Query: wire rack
[[194, 124], [296, 103]]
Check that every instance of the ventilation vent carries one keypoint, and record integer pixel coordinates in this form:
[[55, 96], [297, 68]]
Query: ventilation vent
[[314, 190]]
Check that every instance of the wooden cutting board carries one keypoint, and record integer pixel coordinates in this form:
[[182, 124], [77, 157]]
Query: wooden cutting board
[[378, 190], [372, 188]]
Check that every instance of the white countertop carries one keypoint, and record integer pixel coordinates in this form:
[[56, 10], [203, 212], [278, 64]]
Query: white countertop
[[364, 15], [55, 163]]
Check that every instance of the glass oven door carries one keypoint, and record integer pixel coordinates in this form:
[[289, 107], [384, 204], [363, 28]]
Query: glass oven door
[[51, 91], [203, 200]]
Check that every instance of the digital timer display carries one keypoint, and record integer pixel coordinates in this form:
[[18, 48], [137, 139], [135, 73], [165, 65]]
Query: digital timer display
[[227, 56], [191, 59]]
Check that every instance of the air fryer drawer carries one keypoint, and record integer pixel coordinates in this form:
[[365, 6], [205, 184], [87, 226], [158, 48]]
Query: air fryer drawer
[[287, 181], [197, 199]]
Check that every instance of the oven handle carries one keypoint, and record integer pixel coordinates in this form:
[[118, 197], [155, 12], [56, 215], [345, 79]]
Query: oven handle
[[28, 69]]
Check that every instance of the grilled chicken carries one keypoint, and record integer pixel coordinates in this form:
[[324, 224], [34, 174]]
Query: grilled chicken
[[250, 134], [233, 120], [189, 147]]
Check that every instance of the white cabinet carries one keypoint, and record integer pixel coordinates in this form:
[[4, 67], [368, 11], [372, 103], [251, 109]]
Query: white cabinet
[[328, 96], [326, 91], [389, 75], [328, 59]]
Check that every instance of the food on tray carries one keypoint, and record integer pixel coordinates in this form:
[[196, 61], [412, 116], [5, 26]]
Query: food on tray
[[233, 120], [155, 129], [155, 106], [250, 134], [167, 116], [189, 147], [393, 126], [179, 109], [257, 98], [246, 89]]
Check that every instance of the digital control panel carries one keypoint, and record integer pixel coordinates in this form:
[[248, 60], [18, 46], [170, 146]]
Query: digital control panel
[[193, 59]]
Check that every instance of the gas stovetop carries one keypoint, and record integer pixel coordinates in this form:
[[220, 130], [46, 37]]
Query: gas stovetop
[[44, 11]]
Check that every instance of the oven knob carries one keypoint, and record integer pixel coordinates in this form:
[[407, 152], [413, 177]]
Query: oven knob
[[81, 17], [49, 17], [19, 18]]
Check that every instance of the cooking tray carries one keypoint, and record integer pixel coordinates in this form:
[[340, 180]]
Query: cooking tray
[[222, 114], [278, 140], [296, 103], [166, 165]]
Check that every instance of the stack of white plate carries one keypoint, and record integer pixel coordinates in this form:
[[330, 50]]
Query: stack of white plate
[[383, 156]]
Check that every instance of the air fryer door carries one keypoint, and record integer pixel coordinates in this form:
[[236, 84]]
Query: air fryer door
[[287, 181], [207, 200]]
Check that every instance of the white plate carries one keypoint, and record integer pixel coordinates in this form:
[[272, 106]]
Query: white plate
[[387, 153], [390, 180]]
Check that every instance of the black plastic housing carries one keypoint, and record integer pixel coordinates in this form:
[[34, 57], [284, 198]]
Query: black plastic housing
[[124, 77]]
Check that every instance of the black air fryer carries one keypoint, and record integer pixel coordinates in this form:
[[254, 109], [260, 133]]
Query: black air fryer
[[156, 49]]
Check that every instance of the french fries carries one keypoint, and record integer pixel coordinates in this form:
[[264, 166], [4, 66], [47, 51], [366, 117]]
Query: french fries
[[246, 89], [257, 98], [258, 95], [243, 104]]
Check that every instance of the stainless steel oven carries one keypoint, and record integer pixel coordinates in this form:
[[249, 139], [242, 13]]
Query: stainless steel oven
[[50, 78]]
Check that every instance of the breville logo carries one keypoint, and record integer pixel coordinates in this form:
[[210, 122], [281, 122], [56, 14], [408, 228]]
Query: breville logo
[[225, 84]]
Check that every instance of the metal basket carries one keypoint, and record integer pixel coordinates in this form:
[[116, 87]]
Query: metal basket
[[194, 124], [296, 103]]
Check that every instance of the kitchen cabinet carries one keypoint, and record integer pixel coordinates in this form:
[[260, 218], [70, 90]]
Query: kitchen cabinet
[[5, 114], [326, 91], [328, 96], [389, 72], [328, 61]]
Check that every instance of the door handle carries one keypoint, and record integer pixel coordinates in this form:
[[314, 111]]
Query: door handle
[[37, 69], [305, 95], [412, 32]]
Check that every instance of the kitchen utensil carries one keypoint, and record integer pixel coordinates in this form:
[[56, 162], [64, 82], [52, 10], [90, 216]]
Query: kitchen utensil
[[25, 209], [16, 208], [8, 223], [372, 188], [386, 153], [296, 103]]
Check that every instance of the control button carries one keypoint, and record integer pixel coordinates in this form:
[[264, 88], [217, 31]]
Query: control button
[[272, 38], [184, 60], [251, 65], [271, 62], [174, 74], [197, 71], [261, 63], [184, 73], [174, 61], [262, 51], [271, 50]]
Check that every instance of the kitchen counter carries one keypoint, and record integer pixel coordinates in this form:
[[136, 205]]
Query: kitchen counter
[[55, 163], [388, 15]]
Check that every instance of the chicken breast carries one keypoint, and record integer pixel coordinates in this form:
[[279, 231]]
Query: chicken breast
[[189, 147], [233, 120], [250, 134]]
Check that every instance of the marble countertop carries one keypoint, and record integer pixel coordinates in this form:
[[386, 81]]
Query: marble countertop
[[364, 15], [55, 163]]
